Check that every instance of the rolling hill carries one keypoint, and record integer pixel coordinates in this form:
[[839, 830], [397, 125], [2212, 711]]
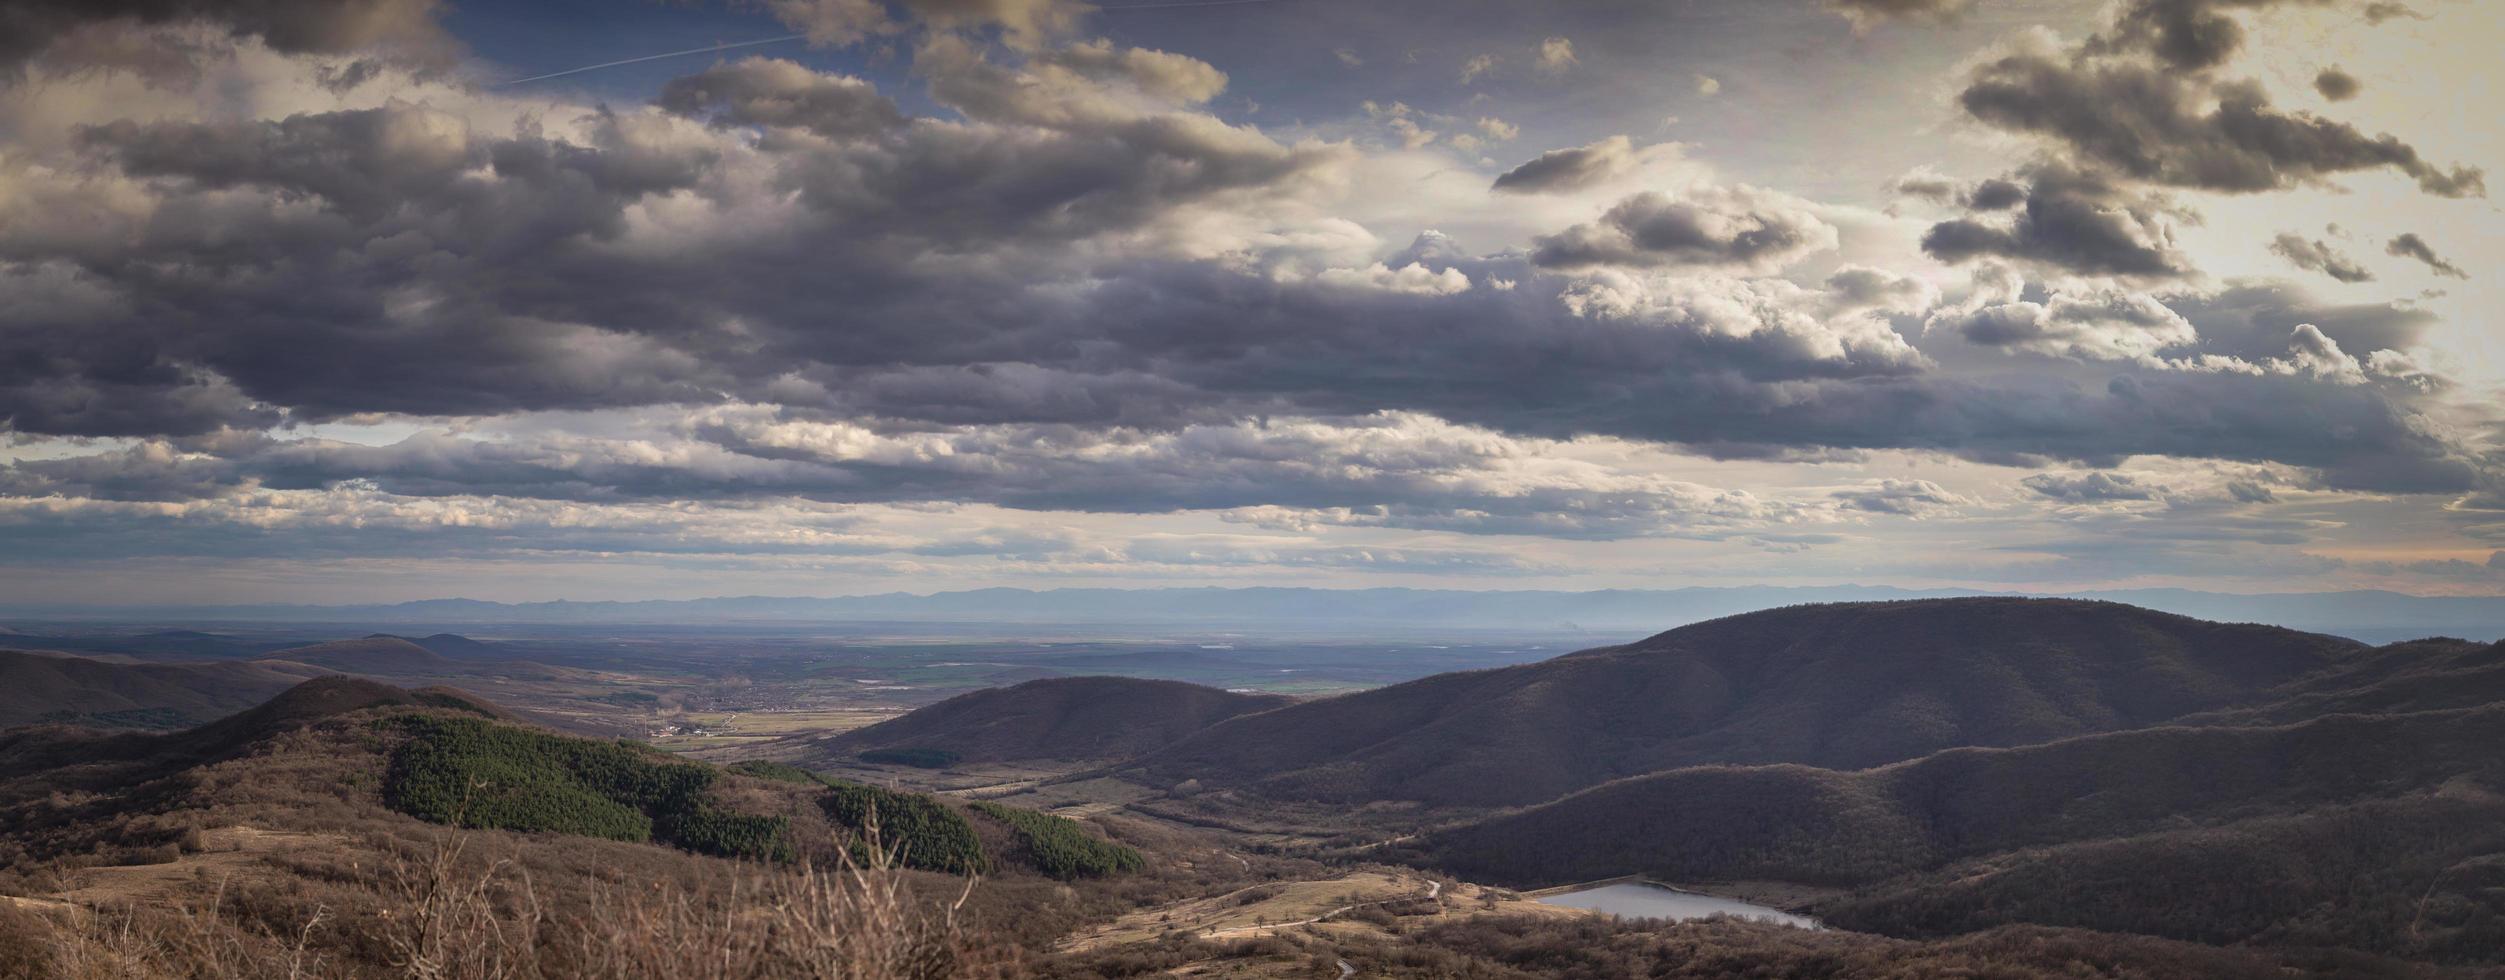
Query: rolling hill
[[2365, 823], [2419, 675], [45, 687], [1842, 686], [1068, 718]]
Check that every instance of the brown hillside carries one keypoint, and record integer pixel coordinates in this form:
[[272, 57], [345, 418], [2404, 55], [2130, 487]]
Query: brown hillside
[[1055, 718], [38, 687], [2420, 675], [1840, 686]]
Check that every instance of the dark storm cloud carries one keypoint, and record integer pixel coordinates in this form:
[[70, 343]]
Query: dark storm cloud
[[2408, 245], [2317, 255], [1569, 169], [2069, 219], [1738, 227], [296, 26]]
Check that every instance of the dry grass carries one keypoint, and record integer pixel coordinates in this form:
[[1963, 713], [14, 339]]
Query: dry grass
[[447, 911]]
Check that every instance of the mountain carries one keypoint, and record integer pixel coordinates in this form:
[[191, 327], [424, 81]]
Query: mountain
[[45, 687], [2390, 827], [1841, 686], [2371, 615], [1055, 718], [1799, 823], [2420, 675]]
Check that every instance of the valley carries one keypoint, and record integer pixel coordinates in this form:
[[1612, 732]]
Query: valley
[[1930, 774]]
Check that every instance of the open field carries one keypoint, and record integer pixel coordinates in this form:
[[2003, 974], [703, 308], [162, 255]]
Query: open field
[[1322, 906]]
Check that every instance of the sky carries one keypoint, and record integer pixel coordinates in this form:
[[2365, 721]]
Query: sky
[[375, 300]]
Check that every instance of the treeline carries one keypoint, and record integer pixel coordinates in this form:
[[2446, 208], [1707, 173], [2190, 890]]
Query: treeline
[[917, 758], [1059, 847], [2380, 833], [1850, 828], [2422, 878], [477, 773], [921, 832]]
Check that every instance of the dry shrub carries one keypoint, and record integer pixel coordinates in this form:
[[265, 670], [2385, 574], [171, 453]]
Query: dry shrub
[[443, 911]]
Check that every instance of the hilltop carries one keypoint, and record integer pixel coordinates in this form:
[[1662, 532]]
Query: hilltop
[[1842, 686], [1065, 718], [336, 794], [45, 687]]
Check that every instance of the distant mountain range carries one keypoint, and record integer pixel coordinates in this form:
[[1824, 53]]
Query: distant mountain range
[[2367, 615]]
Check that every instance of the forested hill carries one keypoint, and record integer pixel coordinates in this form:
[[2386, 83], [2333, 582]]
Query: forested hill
[[1835, 686], [1071, 718]]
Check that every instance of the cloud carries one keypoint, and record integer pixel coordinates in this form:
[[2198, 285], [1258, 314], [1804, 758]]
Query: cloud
[[2091, 324], [1708, 86], [1477, 67], [1904, 498], [1555, 56], [1404, 123], [1348, 57], [2068, 219], [1739, 227], [291, 26], [1570, 169], [1394, 471], [1176, 78], [2317, 255], [1866, 14], [1072, 287], [1026, 24], [2109, 106], [2093, 487], [2408, 245], [775, 92], [2337, 85]]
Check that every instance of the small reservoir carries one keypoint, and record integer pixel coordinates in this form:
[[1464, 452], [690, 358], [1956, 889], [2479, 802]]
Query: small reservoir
[[1646, 900]]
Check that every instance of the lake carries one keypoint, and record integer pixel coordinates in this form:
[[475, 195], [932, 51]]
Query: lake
[[1644, 900]]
